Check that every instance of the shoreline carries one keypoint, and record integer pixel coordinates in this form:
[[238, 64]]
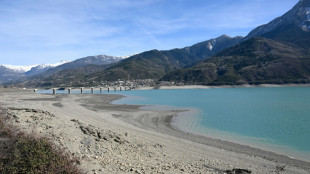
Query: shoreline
[[167, 123], [244, 141], [172, 87], [239, 147], [221, 136], [231, 86], [150, 141]]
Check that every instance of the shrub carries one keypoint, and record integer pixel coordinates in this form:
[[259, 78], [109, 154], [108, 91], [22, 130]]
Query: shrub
[[28, 154]]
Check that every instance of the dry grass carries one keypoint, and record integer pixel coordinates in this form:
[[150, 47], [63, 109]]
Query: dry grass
[[23, 153]]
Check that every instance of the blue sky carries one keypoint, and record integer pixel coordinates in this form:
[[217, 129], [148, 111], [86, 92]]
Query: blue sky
[[47, 31]]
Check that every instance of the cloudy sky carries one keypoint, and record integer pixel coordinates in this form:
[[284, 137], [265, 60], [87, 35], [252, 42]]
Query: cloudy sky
[[47, 31]]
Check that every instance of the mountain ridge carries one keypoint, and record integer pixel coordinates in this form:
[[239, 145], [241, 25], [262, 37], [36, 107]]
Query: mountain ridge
[[151, 64], [9, 76], [154, 64], [26, 68], [286, 31], [249, 63], [297, 16], [277, 52]]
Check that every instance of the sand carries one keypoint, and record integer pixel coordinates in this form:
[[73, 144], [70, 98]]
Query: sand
[[110, 138]]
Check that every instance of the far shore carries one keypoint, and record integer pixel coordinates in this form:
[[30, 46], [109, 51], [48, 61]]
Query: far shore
[[117, 88], [143, 141], [233, 86]]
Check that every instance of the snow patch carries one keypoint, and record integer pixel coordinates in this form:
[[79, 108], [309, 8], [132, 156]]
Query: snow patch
[[42, 66], [211, 44], [23, 68], [125, 57], [19, 68]]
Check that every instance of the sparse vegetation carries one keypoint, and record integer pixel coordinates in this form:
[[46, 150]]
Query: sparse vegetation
[[21, 153], [256, 61], [280, 169]]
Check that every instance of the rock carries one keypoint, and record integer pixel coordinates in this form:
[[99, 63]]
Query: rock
[[101, 134], [238, 171], [117, 140], [158, 146], [84, 130]]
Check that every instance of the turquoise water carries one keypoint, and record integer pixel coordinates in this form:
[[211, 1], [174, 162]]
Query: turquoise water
[[275, 119]]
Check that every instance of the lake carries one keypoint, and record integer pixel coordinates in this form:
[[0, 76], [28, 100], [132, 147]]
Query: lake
[[271, 118]]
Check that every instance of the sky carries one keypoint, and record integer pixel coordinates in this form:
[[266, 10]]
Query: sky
[[48, 31]]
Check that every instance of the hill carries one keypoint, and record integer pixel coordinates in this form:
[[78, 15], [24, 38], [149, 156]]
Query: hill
[[255, 61], [69, 77], [64, 74], [154, 64], [278, 52]]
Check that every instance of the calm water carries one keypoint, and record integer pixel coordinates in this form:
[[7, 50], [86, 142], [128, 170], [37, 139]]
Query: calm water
[[275, 119]]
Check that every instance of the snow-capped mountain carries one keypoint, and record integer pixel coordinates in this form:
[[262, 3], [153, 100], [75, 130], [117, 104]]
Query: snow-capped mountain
[[44, 67], [7, 74], [78, 63], [13, 72], [53, 65], [91, 60], [18, 68], [27, 68], [98, 60]]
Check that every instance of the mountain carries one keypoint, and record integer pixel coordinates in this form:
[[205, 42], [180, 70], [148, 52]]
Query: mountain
[[278, 52], [68, 77], [255, 61], [8, 74], [154, 64], [59, 75], [209, 48], [90, 60], [31, 69], [299, 16], [151, 64], [43, 67], [13, 72], [18, 69]]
